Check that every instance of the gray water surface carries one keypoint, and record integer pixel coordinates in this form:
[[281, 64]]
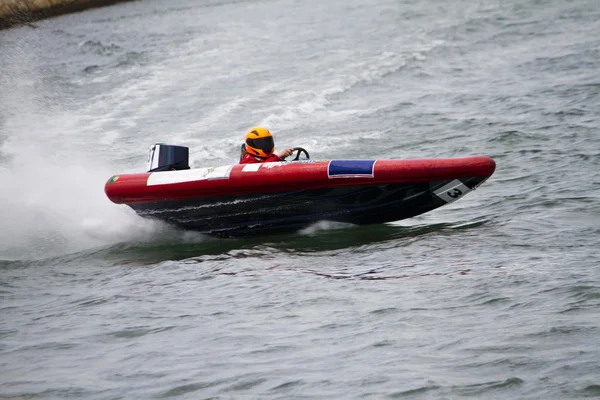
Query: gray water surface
[[496, 296]]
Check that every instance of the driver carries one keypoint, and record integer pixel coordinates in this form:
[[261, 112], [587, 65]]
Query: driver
[[259, 147]]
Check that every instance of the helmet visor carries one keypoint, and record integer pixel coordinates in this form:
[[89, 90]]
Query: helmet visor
[[265, 144]]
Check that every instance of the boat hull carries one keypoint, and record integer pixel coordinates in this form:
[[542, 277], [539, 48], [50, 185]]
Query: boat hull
[[238, 200]]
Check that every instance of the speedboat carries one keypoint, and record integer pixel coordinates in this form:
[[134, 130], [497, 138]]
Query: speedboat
[[234, 200]]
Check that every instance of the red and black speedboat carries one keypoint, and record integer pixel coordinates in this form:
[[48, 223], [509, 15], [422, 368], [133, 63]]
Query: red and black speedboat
[[239, 199]]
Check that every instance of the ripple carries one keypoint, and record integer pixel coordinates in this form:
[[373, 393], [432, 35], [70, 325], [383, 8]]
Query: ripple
[[591, 390], [245, 384], [384, 311], [287, 386], [136, 332], [91, 69], [188, 388], [485, 388], [99, 48], [413, 392]]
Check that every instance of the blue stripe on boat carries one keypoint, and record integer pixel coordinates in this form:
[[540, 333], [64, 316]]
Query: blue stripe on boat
[[351, 169]]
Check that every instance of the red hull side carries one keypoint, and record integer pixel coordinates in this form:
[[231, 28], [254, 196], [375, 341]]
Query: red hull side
[[251, 179]]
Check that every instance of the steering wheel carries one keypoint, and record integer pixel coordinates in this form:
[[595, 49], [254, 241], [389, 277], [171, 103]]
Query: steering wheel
[[300, 150]]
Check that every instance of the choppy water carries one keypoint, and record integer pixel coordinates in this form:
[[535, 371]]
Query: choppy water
[[495, 296]]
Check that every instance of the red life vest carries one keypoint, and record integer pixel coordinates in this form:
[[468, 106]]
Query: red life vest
[[250, 159]]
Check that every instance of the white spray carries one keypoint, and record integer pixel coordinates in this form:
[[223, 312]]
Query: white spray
[[51, 178]]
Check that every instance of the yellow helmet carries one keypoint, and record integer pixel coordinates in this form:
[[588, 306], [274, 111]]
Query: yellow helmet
[[259, 142]]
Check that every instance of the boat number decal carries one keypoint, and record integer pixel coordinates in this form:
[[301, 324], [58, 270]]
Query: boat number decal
[[189, 175], [452, 191], [351, 169]]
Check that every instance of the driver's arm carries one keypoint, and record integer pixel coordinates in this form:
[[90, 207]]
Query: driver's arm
[[285, 153]]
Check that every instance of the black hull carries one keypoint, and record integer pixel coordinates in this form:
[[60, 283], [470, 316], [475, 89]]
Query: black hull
[[290, 211]]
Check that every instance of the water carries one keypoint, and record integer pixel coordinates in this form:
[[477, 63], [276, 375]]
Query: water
[[494, 296]]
